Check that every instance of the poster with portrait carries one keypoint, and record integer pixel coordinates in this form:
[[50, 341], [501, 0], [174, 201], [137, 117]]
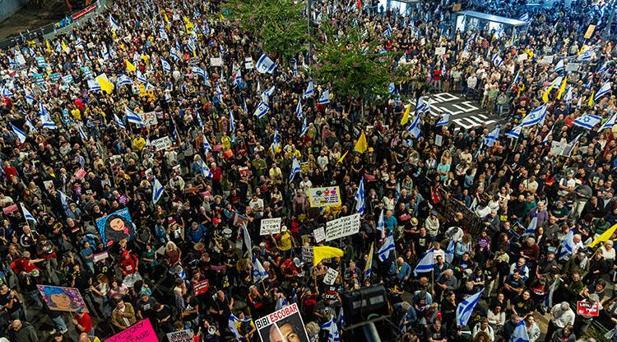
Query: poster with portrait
[[60, 298], [115, 227], [139, 332], [324, 197], [283, 325]]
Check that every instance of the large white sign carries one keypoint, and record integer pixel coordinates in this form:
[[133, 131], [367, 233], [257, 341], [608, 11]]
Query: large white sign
[[270, 226], [319, 234], [342, 227], [161, 144], [330, 276]]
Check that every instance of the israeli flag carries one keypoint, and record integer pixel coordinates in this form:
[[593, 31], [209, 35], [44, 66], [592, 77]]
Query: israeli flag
[[360, 195], [426, 264], [237, 79], [332, 329], [206, 144], [299, 112], [514, 133], [162, 34], [21, 135], [443, 121], [157, 191], [204, 169], [388, 31], [560, 67], [310, 90], [533, 224], [6, 92], [141, 78], [119, 122], [566, 247], [30, 126], [422, 106], [381, 226], [497, 61], [449, 254], [82, 134], [132, 117], [123, 80], [466, 307], [113, 23], [568, 97], [384, 251], [262, 109], [232, 123], [304, 128], [325, 97], [64, 199], [202, 73], [27, 215], [587, 121], [259, 273], [42, 110], [492, 137], [94, 86], [392, 88], [165, 65], [219, 92], [534, 117], [265, 65], [605, 89], [524, 17], [414, 127], [585, 56], [29, 97], [48, 123], [295, 169], [520, 333], [608, 124]]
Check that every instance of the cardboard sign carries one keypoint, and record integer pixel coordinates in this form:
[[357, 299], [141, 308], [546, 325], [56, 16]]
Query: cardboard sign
[[587, 308], [270, 226], [139, 332], [440, 51], [319, 234], [201, 287], [60, 298], [307, 253], [161, 144], [522, 57], [590, 29], [570, 67], [324, 197], [216, 61], [438, 140], [330, 276], [341, 227], [547, 60], [180, 336], [282, 323]]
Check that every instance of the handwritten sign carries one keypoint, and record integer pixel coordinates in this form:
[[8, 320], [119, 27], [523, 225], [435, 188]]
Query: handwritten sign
[[440, 51], [180, 336], [139, 332], [10, 209], [201, 287], [341, 227], [161, 144], [330, 276], [149, 118], [319, 234], [216, 61], [270, 226], [307, 253]]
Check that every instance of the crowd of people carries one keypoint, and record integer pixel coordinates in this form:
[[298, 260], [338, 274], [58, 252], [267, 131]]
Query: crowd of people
[[499, 210]]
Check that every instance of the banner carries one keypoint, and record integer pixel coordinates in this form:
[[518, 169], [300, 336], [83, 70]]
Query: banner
[[115, 227], [62, 298], [270, 226], [201, 287], [180, 336], [587, 308], [281, 325], [341, 227], [324, 197], [330, 276], [139, 332], [161, 144]]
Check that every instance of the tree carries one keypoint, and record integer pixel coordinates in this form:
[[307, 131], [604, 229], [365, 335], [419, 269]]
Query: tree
[[278, 25]]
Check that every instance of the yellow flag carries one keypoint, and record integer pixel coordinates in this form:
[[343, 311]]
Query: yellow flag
[[529, 52], [604, 236], [590, 102], [340, 160], [188, 25], [547, 92], [65, 47], [105, 84], [369, 261], [129, 66], [562, 88], [405, 117], [47, 45], [325, 252], [165, 17], [361, 144], [583, 48]]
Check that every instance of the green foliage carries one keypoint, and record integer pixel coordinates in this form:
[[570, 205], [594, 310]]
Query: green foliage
[[278, 25], [353, 65]]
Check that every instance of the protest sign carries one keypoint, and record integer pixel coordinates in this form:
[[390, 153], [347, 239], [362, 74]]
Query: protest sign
[[319, 234], [115, 227], [547, 60], [201, 287], [9, 209], [341, 227], [270, 226], [80, 173], [440, 51], [149, 118], [588, 308], [216, 61], [100, 256], [161, 144], [139, 332], [330, 276], [572, 67], [180, 336], [282, 323], [590, 29], [248, 63], [307, 253], [60, 298], [324, 197]]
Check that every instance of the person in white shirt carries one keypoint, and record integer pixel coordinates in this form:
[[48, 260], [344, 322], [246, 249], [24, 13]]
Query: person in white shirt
[[306, 183], [533, 330], [561, 316], [257, 205], [484, 327]]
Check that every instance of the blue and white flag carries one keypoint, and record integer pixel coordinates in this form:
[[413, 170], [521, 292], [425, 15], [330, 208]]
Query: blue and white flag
[[534, 117], [94, 86], [299, 112], [449, 253], [566, 248], [492, 137], [360, 195], [265, 96], [119, 122], [166, 66], [444, 120], [332, 329], [231, 322], [219, 92], [310, 90], [587, 121], [560, 68], [113, 23], [325, 97], [426, 264], [29, 97], [232, 123], [497, 61], [133, 117], [585, 56], [422, 106], [124, 80], [157, 191], [514, 133], [381, 226], [140, 77], [206, 144], [64, 199], [237, 79], [259, 273], [262, 109], [204, 170], [466, 307], [414, 127], [48, 123], [520, 333], [21, 135], [276, 141], [392, 88], [30, 126], [608, 124], [27, 215], [605, 89], [388, 31], [304, 128], [265, 65], [6, 92], [43, 112], [533, 224], [295, 169], [384, 251], [524, 17]]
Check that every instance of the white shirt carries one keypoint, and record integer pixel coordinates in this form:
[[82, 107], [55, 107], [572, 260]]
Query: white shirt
[[561, 318]]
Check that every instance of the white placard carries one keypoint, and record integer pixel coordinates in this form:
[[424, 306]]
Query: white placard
[[342, 227], [330, 276], [307, 253], [438, 140], [319, 234], [522, 57], [440, 51], [270, 226], [216, 61], [572, 67], [248, 63], [161, 144], [547, 60], [180, 336], [149, 118]]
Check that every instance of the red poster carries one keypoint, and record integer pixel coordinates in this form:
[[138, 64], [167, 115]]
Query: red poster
[[201, 287], [587, 308]]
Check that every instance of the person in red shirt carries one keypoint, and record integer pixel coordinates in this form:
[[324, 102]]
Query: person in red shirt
[[9, 171], [128, 262], [83, 322]]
